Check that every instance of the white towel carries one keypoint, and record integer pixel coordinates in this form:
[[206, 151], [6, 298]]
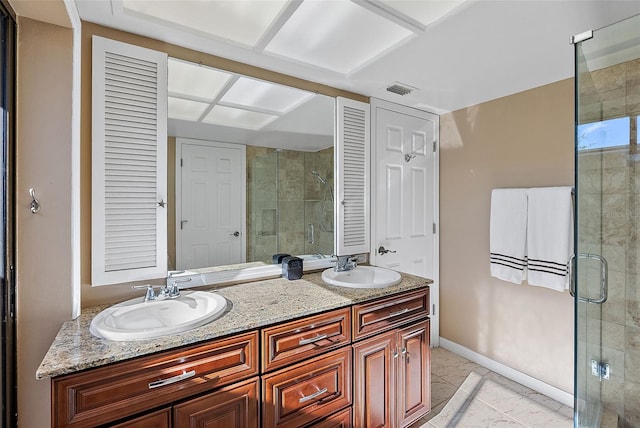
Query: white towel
[[508, 234], [549, 237]]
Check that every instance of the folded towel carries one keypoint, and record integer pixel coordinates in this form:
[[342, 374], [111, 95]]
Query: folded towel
[[549, 237], [508, 234]]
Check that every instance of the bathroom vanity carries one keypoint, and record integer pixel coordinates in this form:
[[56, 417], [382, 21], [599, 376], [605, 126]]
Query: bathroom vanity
[[286, 353]]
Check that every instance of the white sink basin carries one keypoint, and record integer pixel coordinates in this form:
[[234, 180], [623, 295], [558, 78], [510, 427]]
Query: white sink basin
[[136, 320], [362, 277]]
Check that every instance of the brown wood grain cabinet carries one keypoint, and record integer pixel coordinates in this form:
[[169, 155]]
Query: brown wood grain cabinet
[[379, 315], [158, 419], [341, 419], [234, 406], [109, 393], [307, 391], [288, 343], [392, 376], [367, 365]]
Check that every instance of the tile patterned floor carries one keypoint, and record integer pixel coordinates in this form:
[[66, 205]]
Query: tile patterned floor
[[465, 394]]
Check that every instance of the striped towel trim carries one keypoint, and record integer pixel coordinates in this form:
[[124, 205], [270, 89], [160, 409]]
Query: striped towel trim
[[508, 261], [548, 267]]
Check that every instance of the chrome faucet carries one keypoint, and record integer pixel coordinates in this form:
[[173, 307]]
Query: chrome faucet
[[170, 290], [345, 263]]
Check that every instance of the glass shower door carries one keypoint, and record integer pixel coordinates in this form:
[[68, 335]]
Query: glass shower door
[[607, 204]]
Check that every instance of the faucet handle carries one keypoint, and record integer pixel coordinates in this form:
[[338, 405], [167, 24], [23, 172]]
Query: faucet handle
[[149, 295], [172, 289]]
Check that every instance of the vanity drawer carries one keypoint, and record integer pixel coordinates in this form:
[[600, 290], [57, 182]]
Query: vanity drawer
[[383, 314], [307, 391], [294, 341], [342, 419], [105, 394]]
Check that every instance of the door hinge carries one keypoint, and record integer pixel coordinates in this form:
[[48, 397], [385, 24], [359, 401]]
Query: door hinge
[[181, 162], [600, 369], [433, 309], [435, 146], [434, 228]]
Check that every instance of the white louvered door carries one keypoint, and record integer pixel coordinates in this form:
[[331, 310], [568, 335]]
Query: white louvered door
[[129, 163], [352, 177]]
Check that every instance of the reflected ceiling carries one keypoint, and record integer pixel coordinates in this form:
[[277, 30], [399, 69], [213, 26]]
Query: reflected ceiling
[[201, 94]]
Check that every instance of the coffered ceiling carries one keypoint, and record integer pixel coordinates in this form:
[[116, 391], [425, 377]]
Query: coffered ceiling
[[451, 53]]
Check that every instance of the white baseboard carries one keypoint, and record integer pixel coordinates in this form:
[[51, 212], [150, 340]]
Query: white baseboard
[[515, 375]]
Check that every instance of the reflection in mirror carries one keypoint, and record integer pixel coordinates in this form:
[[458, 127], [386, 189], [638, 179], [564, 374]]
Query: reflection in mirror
[[274, 143]]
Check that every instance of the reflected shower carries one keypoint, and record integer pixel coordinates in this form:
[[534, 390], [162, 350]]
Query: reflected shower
[[325, 224], [316, 175]]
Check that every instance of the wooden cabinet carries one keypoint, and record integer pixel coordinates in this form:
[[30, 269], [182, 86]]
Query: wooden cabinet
[[307, 391], [383, 314], [159, 419], [234, 406], [413, 372], [341, 419], [106, 394], [392, 377], [288, 343]]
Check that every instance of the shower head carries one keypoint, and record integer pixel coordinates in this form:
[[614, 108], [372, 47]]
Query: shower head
[[316, 175]]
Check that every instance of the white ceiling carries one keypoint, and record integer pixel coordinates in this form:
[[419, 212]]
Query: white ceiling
[[456, 53]]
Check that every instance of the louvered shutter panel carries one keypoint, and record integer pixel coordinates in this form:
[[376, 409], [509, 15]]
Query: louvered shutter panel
[[129, 163], [352, 178]]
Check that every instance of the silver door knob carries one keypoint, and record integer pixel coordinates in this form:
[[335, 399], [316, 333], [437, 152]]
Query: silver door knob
[[236, 234], [383, 250]]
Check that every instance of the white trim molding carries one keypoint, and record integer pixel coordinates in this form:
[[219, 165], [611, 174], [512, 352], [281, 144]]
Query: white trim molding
[[510, 373]]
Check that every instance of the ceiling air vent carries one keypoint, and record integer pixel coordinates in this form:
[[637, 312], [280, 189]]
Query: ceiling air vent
[[400, 88]]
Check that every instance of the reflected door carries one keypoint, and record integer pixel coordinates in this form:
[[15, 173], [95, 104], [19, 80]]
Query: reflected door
[[210, 222]]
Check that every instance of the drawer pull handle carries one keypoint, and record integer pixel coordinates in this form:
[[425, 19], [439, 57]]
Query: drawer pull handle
[[174, 379], [312, 396], [312, 339], [400, 312]]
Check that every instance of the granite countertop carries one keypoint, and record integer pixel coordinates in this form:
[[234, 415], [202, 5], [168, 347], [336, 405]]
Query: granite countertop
[[250, 305]]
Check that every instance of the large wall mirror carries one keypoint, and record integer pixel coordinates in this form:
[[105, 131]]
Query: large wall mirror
[[251, 170]]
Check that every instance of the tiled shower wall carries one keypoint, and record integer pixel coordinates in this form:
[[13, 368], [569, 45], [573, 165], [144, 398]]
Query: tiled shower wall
[[285, 202], [609, 212]]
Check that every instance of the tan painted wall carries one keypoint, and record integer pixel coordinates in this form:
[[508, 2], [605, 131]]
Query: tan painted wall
[[43, 239], [523, 140]]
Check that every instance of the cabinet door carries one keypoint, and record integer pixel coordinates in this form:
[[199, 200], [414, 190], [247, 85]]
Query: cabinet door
[[352, 178], [375, 381], [235, 406], [129, 163], [414, 373]]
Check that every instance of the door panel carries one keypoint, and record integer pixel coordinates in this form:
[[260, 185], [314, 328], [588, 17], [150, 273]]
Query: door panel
[[212, 205], [404, 216], [404, 207], [414, 376], [374, 381]]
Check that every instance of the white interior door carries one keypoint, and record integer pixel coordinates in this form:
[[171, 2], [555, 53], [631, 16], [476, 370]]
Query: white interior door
[[210, 219], [404, 219]]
